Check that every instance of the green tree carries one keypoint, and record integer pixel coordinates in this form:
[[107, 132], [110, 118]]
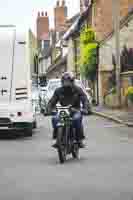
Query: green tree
[[88, 54]]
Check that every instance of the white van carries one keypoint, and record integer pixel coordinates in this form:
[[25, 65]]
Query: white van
[[16, 110]]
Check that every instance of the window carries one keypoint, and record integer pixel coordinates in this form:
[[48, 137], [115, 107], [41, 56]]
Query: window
[[46, 44]]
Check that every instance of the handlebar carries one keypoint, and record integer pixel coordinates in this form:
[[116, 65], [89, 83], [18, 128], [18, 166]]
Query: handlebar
[[72, 109], [63, 107]]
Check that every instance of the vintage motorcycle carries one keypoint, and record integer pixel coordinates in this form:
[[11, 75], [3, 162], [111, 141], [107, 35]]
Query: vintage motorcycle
[[66, 135]]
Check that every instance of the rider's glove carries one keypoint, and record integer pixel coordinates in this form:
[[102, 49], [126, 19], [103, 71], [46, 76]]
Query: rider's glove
[[73, 110]]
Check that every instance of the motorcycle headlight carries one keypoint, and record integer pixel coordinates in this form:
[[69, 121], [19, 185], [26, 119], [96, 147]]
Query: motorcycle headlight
[[62, 113]]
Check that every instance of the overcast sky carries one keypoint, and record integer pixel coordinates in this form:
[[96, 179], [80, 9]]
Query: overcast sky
[[23, 13]]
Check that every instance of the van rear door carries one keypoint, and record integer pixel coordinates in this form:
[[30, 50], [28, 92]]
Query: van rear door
[[7, 40]]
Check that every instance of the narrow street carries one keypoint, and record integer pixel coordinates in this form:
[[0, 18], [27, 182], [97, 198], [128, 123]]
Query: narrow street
[[29, 167]]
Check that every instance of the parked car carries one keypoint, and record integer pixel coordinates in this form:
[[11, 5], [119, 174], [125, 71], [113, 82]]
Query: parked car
[[53, 84], [35, 99], [42, 91]]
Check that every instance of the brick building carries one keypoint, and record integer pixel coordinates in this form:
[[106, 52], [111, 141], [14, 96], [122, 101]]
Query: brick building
[[102, 22], [102, 16]]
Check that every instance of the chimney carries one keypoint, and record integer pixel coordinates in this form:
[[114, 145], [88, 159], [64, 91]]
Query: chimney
[[63, 3], [42, 13], [60, 15], [57, 3], [38, 14], [42, 24]]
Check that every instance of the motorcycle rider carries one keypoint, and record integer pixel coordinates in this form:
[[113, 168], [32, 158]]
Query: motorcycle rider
[[69, 94]]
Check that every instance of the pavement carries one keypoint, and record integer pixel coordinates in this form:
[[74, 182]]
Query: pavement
[[124, 117], [30, 169]]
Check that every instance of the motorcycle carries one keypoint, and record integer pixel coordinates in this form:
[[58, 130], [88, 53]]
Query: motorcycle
[[66, 135]]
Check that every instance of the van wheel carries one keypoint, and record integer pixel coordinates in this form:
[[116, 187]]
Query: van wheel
[[34, 125], [28, 132], [42, 110], [45, 112]]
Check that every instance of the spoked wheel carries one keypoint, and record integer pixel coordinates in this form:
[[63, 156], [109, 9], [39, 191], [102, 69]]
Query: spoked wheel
[[62, 155], [75, 151], [61, 148]]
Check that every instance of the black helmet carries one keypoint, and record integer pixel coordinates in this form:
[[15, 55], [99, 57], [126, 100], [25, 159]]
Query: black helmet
[[67, 76]]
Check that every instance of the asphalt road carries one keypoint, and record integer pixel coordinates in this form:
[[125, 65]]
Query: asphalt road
[[29, 167]]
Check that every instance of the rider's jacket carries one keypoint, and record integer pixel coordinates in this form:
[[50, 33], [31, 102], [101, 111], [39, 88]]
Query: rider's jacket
[[69, 96]]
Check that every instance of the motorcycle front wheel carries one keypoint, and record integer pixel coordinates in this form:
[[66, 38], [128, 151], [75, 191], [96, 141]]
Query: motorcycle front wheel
[[75, 151], [61, 147]]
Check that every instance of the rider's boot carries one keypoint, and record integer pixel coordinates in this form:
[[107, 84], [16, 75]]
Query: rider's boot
[[54, 145], [81, 132], [80, 137], [81, 144]]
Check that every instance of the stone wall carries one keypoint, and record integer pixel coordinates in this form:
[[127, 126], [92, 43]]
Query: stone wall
[[104, 83], [108, 48]]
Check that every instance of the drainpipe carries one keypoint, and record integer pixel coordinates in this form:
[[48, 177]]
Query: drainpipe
[[116, 23], [97, 75], [75, 59]]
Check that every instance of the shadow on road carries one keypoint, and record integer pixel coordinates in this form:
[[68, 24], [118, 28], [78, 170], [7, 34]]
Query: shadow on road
[[5, 135], [81, 160], [54, 161]]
